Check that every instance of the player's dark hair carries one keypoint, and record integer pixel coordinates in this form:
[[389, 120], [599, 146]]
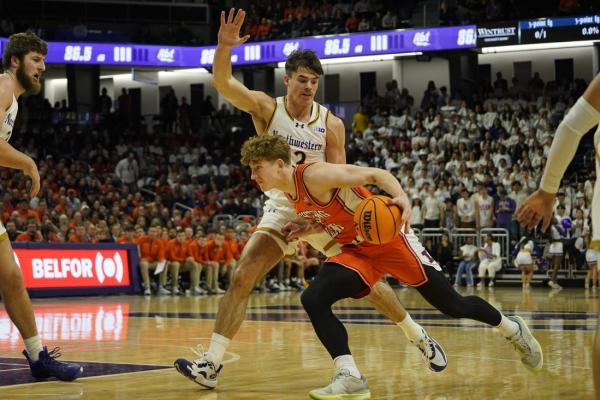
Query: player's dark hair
[[303, 59], [20, 44]]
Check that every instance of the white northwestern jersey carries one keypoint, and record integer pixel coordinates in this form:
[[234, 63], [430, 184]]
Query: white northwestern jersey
[[307, 139], [9, 120]]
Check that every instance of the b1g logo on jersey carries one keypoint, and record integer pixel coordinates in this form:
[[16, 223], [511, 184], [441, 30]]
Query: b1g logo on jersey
[[318, 129]]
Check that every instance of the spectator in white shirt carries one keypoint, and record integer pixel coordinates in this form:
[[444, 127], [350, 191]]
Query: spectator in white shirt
[[490, 261], [433, 210], [416, 221], [465, 209], [128, 172], [468, 255]]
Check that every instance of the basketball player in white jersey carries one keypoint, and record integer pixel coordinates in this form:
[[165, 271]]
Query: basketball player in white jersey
[[538, 207], [314, 134], [23, 64]]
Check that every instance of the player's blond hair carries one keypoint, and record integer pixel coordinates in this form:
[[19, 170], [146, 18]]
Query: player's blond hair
[[265, 148]]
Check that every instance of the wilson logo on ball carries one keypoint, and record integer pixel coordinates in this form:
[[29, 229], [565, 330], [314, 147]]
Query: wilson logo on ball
[[377, 219], [366, 226]]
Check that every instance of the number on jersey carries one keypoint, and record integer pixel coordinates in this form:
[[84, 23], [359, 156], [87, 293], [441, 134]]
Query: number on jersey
[[300, 157]]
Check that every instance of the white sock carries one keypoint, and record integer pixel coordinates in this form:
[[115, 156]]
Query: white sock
[[507, 327], [411, 329], [347, 362], [217, 347], [34, 346]]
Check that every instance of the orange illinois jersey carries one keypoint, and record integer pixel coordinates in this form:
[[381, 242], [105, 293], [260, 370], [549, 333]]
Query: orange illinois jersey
[[337, 215], [402, 257]]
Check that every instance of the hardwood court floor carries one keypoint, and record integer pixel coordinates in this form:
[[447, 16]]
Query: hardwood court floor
[[128, 344]]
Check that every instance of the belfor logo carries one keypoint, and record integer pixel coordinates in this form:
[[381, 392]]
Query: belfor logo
[[65, 268], [111, 267]]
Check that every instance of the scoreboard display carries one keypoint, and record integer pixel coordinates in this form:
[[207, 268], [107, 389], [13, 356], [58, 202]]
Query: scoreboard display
[[564, 29]]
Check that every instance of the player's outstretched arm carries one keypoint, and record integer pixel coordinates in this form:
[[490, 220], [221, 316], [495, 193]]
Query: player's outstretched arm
[[259, 104], [9, 156], [335, 151], [584, 114], [324, 177]]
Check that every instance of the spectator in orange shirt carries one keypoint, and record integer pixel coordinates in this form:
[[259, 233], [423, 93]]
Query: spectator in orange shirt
[[31, 234], [25, 213], [244, 236], [77, 219], [232, 242], [42, 210], [198, 255], [79, 236], [198, 251], [139, 232], [179, 259], [187, 219], [352, 23], [49, 233], [152, 252], [218, 251], [128, 236], [189, 235]]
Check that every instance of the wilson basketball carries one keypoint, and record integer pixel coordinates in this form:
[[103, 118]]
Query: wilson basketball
[[377, 220]]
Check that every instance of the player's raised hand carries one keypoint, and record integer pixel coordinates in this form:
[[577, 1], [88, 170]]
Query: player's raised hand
[[403, 202], [229, 31], [537, 207]]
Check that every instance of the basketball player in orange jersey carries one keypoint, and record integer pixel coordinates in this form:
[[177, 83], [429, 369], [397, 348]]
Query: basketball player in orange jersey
[[327, 195], [314, 135], [23, 64], [538, 207]]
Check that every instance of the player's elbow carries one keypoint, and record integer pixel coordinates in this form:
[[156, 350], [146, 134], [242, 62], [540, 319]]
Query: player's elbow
[[372, 176], [217, 82]]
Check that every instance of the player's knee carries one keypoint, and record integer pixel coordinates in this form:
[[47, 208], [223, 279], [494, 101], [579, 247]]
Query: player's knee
[[249, 270], [12, 282], [243, 280], [310, 300]]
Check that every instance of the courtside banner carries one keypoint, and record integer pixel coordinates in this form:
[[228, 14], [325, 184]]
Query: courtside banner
[[88, 268]]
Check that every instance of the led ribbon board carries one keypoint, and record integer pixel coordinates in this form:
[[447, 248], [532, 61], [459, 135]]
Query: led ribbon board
[[273, 51]]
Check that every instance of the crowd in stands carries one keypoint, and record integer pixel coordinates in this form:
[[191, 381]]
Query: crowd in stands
[[287, 19], [112, 179], [470, 163], [465, 163]]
